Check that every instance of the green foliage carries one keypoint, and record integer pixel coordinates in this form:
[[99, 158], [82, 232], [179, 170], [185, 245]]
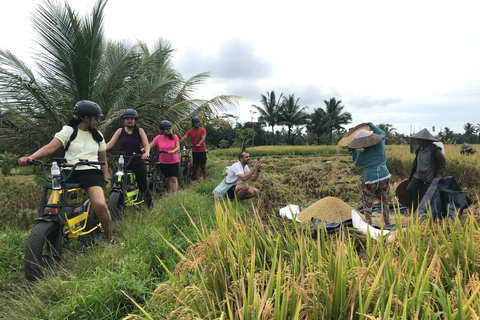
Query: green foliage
[[116, 75], [7, 161], [19, 205]]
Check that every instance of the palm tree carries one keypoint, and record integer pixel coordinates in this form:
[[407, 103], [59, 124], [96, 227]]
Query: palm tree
[[76, 63], [269, 110], [449, 134], [334, 116], [291, 114], [389, 132], [316, 125], [469, 128]]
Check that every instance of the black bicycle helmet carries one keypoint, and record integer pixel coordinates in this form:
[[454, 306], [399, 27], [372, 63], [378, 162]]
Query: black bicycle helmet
[[130, 113], [195, 120], [87, 108], [165, 124]]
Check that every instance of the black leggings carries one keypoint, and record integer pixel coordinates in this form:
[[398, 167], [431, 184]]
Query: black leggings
[[141, 175]]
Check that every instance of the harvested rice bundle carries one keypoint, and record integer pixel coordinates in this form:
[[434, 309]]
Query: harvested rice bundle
[[329, 209]]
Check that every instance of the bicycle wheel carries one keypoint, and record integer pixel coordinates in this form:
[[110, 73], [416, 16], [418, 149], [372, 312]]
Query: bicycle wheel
[[159, 182], [115, 205], [183, 178], [148, 197], [95, 236], [41, 256]]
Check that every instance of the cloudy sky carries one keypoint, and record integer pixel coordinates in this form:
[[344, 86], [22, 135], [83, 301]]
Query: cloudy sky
[[412, 64]]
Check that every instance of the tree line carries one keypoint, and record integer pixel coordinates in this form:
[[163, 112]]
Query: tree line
[[77, 62]]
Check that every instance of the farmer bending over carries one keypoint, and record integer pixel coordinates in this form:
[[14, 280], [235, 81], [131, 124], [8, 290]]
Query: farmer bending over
[[239, 173]]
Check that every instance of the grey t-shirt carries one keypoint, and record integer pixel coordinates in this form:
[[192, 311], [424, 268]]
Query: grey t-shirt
[[425, 168]]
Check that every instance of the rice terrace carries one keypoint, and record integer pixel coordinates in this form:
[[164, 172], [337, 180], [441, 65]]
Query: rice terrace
[[145, 232], [190, 257]]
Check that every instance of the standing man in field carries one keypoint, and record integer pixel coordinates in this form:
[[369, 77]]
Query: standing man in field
[[429, 164], [197, 136], [238, 174]]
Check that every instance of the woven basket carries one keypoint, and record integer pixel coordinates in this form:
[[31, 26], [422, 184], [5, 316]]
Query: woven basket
[[401, 193], [350, 135]]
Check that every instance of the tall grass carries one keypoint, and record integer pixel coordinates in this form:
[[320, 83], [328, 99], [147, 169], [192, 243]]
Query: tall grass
[[251, 270]]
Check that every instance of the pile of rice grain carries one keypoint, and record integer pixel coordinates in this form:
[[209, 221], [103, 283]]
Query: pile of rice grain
[[329, 209]]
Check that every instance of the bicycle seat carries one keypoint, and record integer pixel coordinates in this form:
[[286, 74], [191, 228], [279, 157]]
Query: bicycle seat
[[73, 185]]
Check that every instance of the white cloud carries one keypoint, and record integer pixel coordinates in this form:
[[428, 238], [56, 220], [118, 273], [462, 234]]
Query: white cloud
[[407, 63]]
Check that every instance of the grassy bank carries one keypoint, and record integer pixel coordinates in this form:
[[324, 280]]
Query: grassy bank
[[239, 261]]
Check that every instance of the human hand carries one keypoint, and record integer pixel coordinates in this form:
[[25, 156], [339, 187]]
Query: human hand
[[24, 160], [146, 155]]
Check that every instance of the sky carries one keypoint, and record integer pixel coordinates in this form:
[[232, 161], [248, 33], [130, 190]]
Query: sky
[[413, 64]]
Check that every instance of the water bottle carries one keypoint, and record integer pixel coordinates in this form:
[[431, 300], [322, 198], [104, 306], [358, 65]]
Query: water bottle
[[121, 166], [55, 171], [184, 151]]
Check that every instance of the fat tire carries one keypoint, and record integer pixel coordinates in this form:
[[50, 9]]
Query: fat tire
[[41, 257], [115, 205]]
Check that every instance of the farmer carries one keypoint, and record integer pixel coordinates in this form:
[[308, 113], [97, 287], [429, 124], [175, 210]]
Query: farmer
[[376, 180], [197, 136], [239, 173], [429, 164]]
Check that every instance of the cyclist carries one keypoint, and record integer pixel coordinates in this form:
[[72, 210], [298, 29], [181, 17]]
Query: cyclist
[[131, 138], [197, 136], [88, 143], [169, 160]]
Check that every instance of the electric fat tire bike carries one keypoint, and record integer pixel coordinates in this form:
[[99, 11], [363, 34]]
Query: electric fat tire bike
[[124, 190], [72, 218]]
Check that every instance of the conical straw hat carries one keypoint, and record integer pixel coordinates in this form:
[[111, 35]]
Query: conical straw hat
[[423, 134], [365, 138], [350, 135]]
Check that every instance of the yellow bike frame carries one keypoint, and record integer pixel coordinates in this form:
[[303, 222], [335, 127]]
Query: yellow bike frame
[[73, 228]]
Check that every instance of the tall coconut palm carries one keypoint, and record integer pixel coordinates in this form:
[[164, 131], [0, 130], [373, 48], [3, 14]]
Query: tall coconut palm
[[291, 114], [75, 63], [335, 118], [316, 125], [269, 110]]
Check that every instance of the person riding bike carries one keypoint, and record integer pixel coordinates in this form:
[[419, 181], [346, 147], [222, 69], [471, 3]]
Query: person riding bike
[[197, 136], [131, 138], [169, 160], [82, 140]]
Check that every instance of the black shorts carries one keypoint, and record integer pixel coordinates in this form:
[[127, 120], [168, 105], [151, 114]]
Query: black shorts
[[231, 192], [169, 170], [87, 178], [199, 157]]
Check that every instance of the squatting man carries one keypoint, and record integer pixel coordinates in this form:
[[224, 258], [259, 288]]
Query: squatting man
[[239, 173]]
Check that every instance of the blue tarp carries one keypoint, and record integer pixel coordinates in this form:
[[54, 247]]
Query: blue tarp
[[444, 196]]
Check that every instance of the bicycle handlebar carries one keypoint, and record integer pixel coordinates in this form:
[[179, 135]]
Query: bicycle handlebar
[[81, 162]]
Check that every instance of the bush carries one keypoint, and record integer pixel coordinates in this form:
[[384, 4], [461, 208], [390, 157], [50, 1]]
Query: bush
[[7, 161]]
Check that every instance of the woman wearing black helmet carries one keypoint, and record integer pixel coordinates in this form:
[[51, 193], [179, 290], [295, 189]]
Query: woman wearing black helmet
[[82, 140], [169, 162], [131, 138]]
